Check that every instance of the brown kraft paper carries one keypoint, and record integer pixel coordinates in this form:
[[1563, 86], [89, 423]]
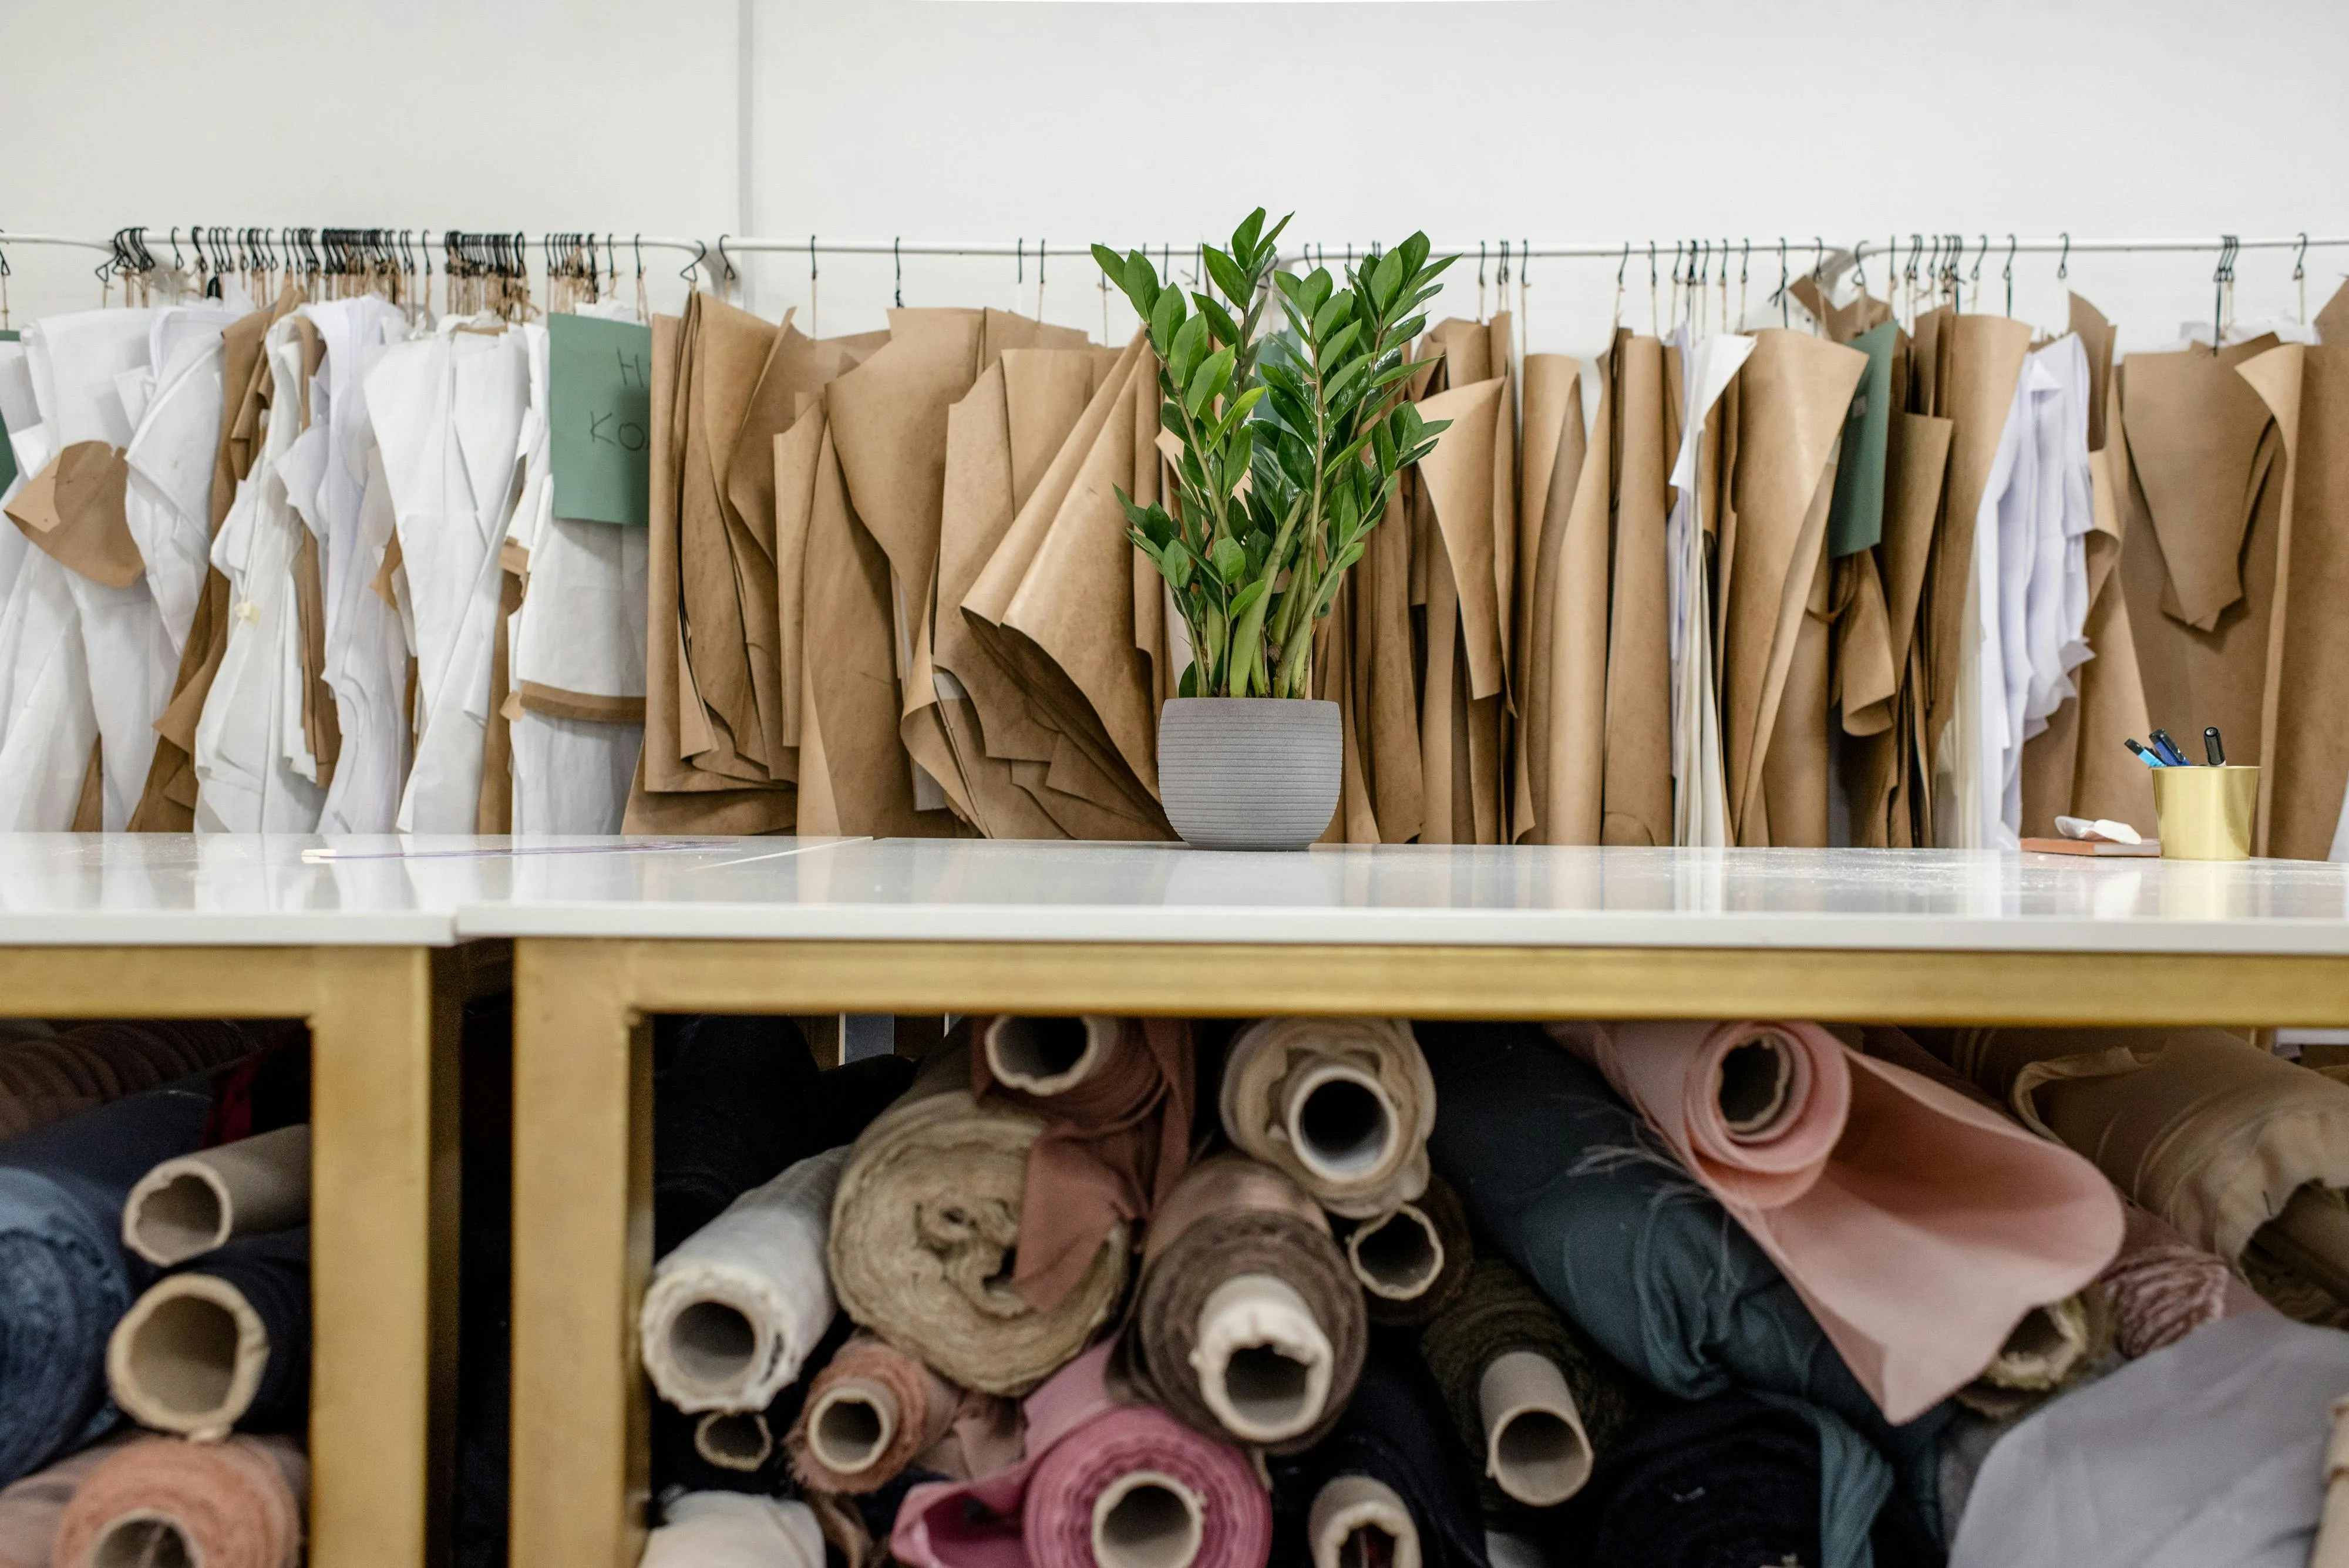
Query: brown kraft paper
[[1637, 798]]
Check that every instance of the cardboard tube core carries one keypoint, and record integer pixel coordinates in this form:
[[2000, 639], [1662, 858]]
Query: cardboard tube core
[[1343, 1122], [1048, 1056], [186, 1207], [1358, 1522], [853, 1424], [1753, 1086], [1145, 1518], [1534, 1447], [1397, 1258], [713, 1342], [734, 1440], [2043, 1349], [143, 1540], [1262, 1360], [188, 1356]]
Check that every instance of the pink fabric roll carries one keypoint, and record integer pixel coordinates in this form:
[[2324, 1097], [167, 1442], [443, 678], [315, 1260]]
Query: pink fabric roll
[[236, 1504], [31, 1508], [1039, 1513], [1917, 1225]]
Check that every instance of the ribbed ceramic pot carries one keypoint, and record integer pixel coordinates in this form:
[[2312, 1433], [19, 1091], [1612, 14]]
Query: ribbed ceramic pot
[[1248, 772]]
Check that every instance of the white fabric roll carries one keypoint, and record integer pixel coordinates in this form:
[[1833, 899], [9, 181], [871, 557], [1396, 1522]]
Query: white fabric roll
[[186, 1207], [734, 1311], [733, 1530]]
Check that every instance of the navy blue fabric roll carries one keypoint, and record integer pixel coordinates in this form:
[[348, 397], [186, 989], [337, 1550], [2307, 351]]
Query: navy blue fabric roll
[[272, 1272], [1395, 1432], [1572, 1187], [732, 1104], [65, 1276]]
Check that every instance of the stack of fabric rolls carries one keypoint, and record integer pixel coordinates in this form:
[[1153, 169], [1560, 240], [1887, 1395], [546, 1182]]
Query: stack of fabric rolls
[[154, 1264], [1593, 1293]]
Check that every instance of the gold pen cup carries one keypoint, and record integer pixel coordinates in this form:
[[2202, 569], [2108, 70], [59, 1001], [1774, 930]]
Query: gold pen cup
[[2205, 814]]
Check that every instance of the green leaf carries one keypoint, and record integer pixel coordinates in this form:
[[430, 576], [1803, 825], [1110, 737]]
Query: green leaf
[[1182, 358], [1244, 235], [1317, 290], [1269, 245], [1226, 330], [1210, 379], [1291, 287], [1165, 321], [1352, 370], [1383, 445], [1189, 685], [1174, 563], [1229, 559], [1386, 278], [1330, 312], [1343, 339], [1141, 284], [1227, 274], [1414, 253]]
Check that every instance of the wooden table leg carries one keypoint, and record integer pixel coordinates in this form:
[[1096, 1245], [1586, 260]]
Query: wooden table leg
[[582, 1226]]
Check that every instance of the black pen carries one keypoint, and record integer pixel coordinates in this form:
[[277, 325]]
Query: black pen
[[2168, 750], [2212, 749]]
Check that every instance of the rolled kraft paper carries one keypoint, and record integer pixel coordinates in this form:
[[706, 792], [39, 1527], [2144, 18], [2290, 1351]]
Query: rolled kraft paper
[[868, 1413], [924, 1230], [30, 1508], [1248, 1323], [736, 1101], [220, 1344], [1566, 1182], [1116, 1095], [1833, 1160], [236, 1504], [48, 1078], [730, 1529], [1528, 1392], [1123, 1487], [65, 1278], [1392, 1451], [188, 1206], [1414, 1263], [732, 1314], [1343, 1105]]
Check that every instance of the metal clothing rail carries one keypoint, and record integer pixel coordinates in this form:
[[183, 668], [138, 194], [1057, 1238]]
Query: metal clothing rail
[[274, 234]]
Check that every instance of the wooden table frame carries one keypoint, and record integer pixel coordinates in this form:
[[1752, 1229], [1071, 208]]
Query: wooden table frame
[[383, 1025], [583, 1091]]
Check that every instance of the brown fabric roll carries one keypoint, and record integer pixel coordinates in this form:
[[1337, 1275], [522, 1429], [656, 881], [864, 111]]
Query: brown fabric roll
[[236, 1504], [43, 1080], [31, 1509], [2164, 1288], [924, 1228], [1413, 1264], [1232, 1217], [1116, 1141], [908, 1413]]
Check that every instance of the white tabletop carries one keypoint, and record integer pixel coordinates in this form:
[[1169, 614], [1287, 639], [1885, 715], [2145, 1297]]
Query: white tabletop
[[136, 889]]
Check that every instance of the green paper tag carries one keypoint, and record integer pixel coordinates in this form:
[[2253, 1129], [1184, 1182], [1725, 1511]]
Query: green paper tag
[[600, 393], [1856, 516]]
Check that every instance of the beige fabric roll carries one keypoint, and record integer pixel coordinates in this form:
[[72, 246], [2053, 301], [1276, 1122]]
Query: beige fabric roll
[[2332, 1526], [186, 1207], [924, 1228], [731, 1530], [167, 1366], [1341, 1106], [2052, 1348]]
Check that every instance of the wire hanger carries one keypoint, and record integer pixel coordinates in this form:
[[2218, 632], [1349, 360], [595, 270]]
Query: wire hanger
[[2300, 275], [2010, 275], [897, 255]]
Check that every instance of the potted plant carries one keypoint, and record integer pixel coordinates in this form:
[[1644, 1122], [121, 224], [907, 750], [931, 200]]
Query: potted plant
[[1293, 442]]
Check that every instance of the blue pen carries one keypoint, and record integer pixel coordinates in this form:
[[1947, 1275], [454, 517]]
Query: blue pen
[[2170, 755], [2148, 758]]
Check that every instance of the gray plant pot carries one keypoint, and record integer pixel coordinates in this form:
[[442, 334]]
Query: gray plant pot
[[1248, 772]]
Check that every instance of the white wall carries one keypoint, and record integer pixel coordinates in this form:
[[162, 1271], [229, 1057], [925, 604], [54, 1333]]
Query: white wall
[[1558, 119]]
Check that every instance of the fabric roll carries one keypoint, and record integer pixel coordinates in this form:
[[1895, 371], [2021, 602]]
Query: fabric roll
[[728, 1530], [220, 1343], [1569, 1184], [2212, 1134], [2054, 1347], [1115, 1096], [2211, 1451], [926, 1218], [1727, 1479], [2332, 1549], [2163, 1289], [730, 1099], [1393, 1438], [732, 1314], [64, 1276], [1343, 1105], [1815, 1149], [733, 1450], [236, 1504], [737, 1440], [1101, 1484], [873, 1410], [46, 1078], [1413, 1264], [1527, 1392], [188, 1206], [31, 1509], [1248, 1323]]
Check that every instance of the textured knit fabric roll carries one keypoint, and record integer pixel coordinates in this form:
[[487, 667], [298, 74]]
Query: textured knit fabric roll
[[236, 1504], [221, 1343], [1572, 1186], [2163, 1288], [924, 1228], [1395, 1432], [1233, 1219], [1414, 1263], [875, 1402], [1833, 1160], [1049, 1510], [48, 1078], [30, 1508], [728, 1530], [1343, 1105], [2054, 1348], [1116, 1135], [735, 1310], [64, 1278], [1498, 1314], [734, 1103]]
